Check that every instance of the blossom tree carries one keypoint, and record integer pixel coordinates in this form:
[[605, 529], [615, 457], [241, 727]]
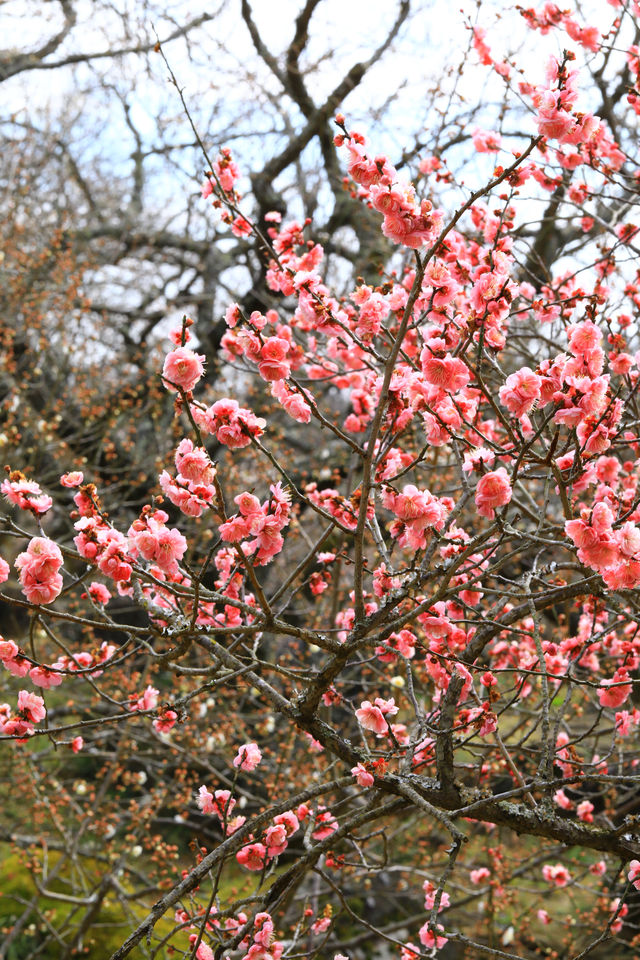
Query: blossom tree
[[387, 694]]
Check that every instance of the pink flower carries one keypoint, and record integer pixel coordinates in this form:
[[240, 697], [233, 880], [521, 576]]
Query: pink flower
[[165, 722], [226, 169], [273, 364], [232, 424], [562, 800], [191, 498], [493, 490], [221, 803], [240, 227], [487, 288], [544, 917], [5, 570], [431, 938], [481, 47], [9, 649], [619, 911], [77, 744], [584, 337], [248, 505], [448, 373], [430, 893], [474, 458], [155, 542], [556, 874], [39, 591], [204, 952], [18, 667], [520, 391], [275, 838], [371, 718], [410, 952], [625, 720], [485, 141], [42, 558], [113, 561], [552, 123], [253, 857], [183, 368], [205, 800], [148, 700], [326, 824], [363, 170], [170, 548], [634, 873], [235, 529], [72, 479], [38, 566], [99, 593], [14, 727], [598, 869], [585, 811], [45, 678], [297, 408], [615, 696], [628, 539], [193, 463], [362, 775], [289, 820], [388, 707], [588, 37], [32, 706], [294, 403], [477, 876], [25, 494], [263, 935], [248, 757]]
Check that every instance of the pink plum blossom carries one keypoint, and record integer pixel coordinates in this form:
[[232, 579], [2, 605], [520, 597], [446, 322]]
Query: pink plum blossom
[[73, 479], [31, 706], [248, 757], [183, 368], [557, 874], [493, 490], [39, 566], [634, 873], [362, 775]]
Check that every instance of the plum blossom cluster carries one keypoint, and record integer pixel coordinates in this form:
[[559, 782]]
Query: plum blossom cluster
[[417, 511], [254, 855], [229, 423], [612, 552], [25, 494], [260, 944], [407, 221], [550, 16], [150, 539], [39, 567], [372, 716], [30, 710], [221, 183], [263, 522], [48, 675]]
